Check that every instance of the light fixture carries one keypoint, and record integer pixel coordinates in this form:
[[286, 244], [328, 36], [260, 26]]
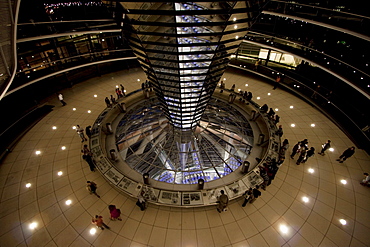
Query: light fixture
[[54, 127], [38, 152], [268, 93], [33, 225], [95, 95], [28, 185], [92, 231], [235, 26], [313, 125], [138, 79], [283, 229], [343, 222], [224, 79], [310, 170], [331, 149], [74, 127], [276, 109], [236, 37], [60, 173], [117, 86], [74, 109], [63, 148], [343, 181], [88, 111], [258, 97], [68, 202], [292, 125], [234, 19], [305, 199], [291, 107], [247, 85]]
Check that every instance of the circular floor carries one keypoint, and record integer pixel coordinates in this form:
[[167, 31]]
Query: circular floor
[[278, 218]]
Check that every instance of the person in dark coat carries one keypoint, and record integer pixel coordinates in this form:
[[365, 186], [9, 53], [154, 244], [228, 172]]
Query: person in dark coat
[[309, 154], [295, 149], [280, 132], [264, 108], [107, 101], [302, 156], [346, 154], [325, 147], [89, 160], [88, 131], [248, 195]]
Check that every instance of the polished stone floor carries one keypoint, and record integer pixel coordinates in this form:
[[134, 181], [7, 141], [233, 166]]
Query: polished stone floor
[[280, 217]]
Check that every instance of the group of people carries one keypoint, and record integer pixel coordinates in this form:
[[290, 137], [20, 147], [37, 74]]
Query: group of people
[[115, 214], [120, 92]]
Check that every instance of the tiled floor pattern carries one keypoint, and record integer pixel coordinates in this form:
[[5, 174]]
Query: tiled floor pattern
[[279, 218]]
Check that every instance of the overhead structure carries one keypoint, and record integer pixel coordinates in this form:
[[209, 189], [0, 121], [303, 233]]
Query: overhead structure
[[185, 47]]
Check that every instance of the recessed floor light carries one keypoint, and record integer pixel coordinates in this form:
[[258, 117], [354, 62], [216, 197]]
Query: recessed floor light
[[28, 185], [63, 148], [343, 181], [88, 111], [292, 125], [276, 109], [60, 173], [95, 95], [74, 109], [310, 170], [38, 152], [284, 229], [33, 225], [313, 125], [138, 79], [268, 93], [92, 231], [305, 199], [74, 127], [343, 221], [117, 86], [291, 107], [68, 202], [54, 127], [258, 97], [331, 149], [246, 85]]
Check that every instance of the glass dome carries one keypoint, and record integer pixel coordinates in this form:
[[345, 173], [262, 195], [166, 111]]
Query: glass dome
[[216, 147]]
